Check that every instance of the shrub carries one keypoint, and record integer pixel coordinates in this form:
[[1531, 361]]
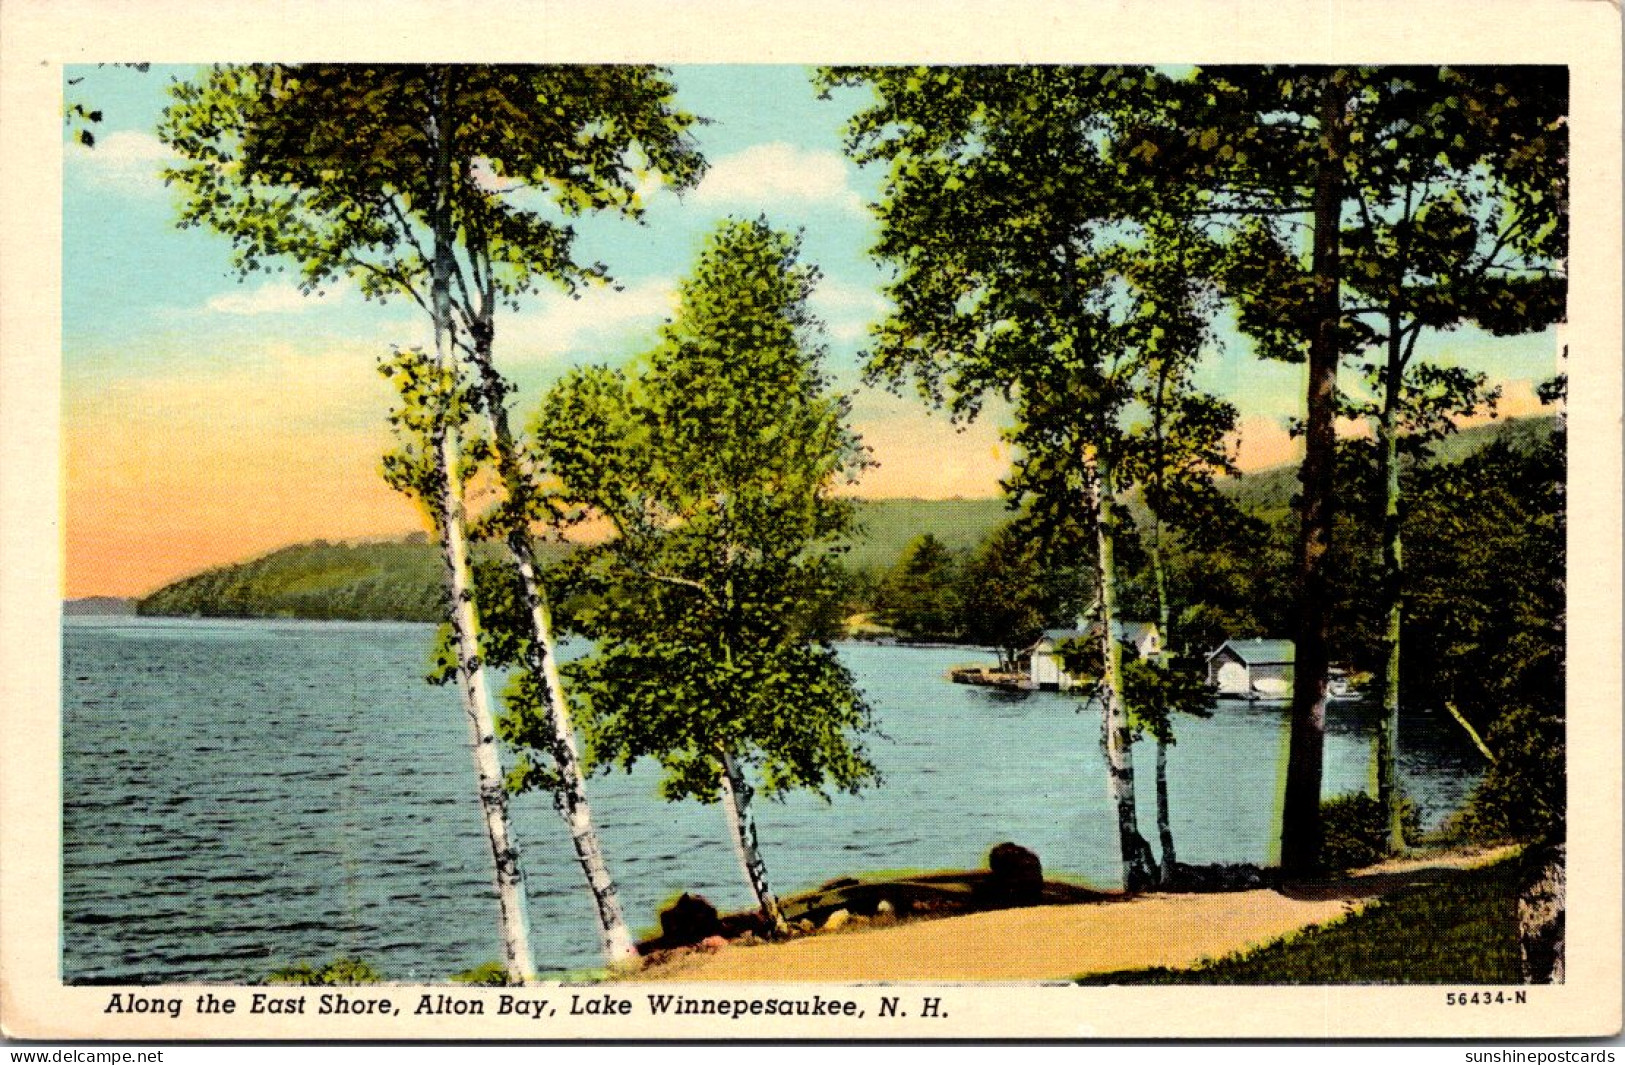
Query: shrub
[[1355, 832], [491, 974], [1522, 796], [338, 971]]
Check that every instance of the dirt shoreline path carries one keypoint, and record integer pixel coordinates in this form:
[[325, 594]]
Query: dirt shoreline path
[[1060, 942]]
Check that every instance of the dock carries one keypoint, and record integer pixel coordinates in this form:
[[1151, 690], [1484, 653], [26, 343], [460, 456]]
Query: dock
[[991, 678]]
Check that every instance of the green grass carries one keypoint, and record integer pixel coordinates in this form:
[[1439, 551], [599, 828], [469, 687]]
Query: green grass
[[1461, 928]]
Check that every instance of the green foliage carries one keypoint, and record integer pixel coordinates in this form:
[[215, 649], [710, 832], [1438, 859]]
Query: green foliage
[[433, 400], [1010, 591], [713, 606], [1355, 830], [1455, 928], [1234, 587], [1523, 796], [490, 974], [401, 580], [1423, 201], [920, 596], [1486, 617], [338, 972], [1483, 550], [334, 169], [1156, 690], [1028, 265], [394, 580], [1488, 589], [882, 529]]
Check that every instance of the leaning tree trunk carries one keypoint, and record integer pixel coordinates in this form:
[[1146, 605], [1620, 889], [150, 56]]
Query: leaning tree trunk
[[1300, 810], [448, 506], [571, 798], [477, 705], [1139, 865], [1389, 797], [736, 796]]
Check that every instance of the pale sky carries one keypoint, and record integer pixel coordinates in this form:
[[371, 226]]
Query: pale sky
[[208, 420]]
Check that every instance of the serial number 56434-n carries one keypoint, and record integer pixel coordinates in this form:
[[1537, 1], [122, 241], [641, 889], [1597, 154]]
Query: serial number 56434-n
[[1485, 998]]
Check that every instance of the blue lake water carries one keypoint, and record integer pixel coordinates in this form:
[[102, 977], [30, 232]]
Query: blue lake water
[[243, 795]]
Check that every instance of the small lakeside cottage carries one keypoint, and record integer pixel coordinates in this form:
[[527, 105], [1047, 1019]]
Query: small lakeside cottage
[[1044, 665], [1252, 669]]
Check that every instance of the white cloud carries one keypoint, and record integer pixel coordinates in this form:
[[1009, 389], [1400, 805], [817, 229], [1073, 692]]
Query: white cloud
[[842, 297], [848, 309], [779, 173], [128, 160], [277, 297], [847, 332], [554, 323]]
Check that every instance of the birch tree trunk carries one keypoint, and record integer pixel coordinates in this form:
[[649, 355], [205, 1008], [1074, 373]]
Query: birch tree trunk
[[1139, 865], [1165, 830], [1300, 808], [477, 706], [615, 938], [736, 795], [448, 507]]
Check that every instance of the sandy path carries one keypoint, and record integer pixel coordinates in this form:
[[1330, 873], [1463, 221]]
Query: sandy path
[[1058, 942]]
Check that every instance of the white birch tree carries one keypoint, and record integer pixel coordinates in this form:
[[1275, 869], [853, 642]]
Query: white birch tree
[[427, 183], [714, 605]]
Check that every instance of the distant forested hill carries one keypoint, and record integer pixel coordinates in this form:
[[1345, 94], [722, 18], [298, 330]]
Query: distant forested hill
[[401, 579], [396, 580], [885, 527], [1268, 493]]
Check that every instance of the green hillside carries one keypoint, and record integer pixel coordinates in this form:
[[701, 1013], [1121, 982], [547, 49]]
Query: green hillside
[[1268, 493], [401, 579], [396, 580], [885, 527]]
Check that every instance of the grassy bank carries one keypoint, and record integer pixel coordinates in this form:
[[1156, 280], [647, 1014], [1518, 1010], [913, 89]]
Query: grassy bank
[[1460, 927]]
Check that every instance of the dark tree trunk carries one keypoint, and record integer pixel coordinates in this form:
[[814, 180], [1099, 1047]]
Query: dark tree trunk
[[1300, 815]]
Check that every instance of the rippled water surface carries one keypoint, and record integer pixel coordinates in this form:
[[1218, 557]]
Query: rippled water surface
[[243, 795]]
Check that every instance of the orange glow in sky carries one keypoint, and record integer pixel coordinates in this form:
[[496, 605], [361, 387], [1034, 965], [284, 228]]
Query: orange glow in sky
[[163, 483]]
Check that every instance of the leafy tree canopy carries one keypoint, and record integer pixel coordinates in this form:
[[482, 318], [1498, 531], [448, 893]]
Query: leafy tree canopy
[[334, 167], [714, 461]]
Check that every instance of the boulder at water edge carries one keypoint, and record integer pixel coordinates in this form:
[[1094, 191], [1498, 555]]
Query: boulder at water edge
[[1015, 875], [690, 919]]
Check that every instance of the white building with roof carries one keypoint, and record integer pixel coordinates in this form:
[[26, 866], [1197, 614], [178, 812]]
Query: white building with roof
[[1252, 669], [1044, 664]]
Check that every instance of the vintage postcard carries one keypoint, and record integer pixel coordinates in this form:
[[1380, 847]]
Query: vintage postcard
[[637, 521]]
